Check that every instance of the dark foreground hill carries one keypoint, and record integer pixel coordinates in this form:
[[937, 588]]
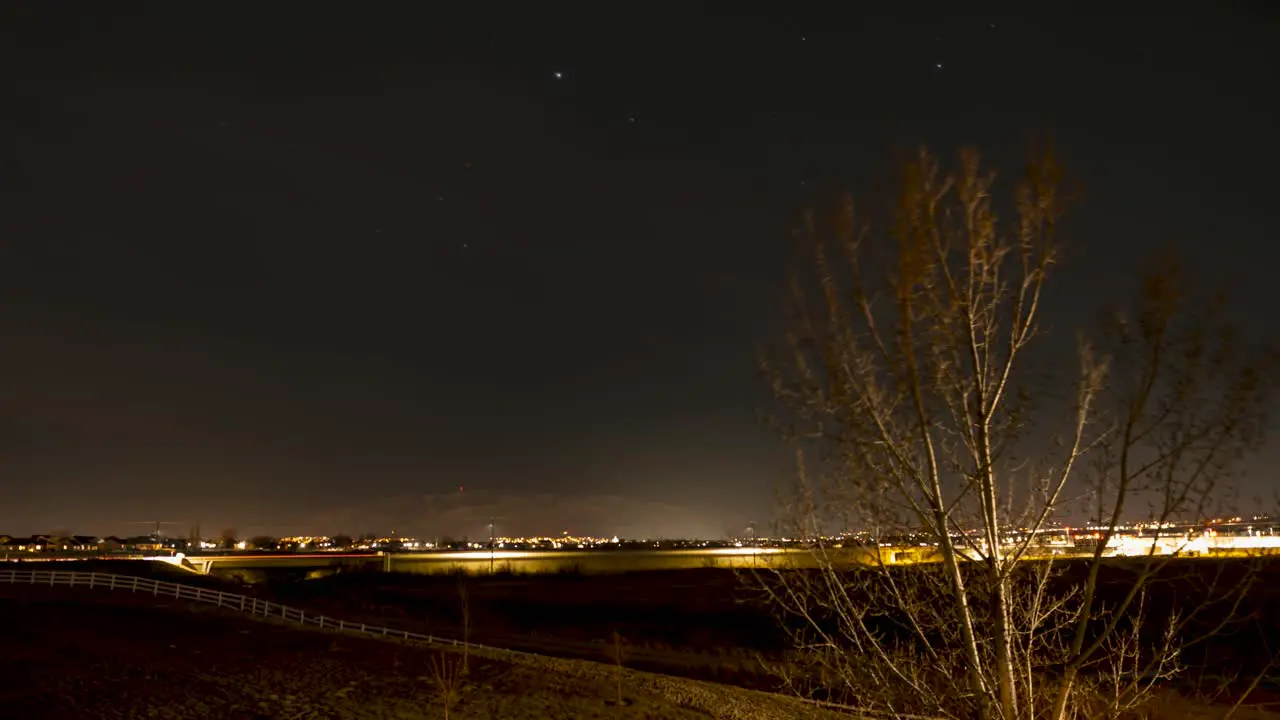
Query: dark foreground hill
[[75, 653]]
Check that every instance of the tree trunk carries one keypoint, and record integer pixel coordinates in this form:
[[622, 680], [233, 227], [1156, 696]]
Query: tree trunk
[[1004, 650]]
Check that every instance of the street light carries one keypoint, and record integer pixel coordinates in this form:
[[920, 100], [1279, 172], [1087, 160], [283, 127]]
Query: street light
[[492, 541]]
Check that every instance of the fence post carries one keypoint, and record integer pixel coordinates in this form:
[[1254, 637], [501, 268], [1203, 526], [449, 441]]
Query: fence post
[[241, 603], [91, 576], [135, 584]]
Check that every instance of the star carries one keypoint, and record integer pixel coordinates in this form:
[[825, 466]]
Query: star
[[938, 65], [557, 75]]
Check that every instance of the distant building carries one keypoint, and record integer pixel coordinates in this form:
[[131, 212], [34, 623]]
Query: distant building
[[49, 543], [142, 543], [25, 544]]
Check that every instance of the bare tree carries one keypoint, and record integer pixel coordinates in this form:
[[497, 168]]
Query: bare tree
[[464, 600], [918, 411], [618, 654], [447, 673], [1185, 400], [263, 542]]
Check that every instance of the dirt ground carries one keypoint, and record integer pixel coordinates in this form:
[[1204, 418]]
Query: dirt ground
[[68, 653]]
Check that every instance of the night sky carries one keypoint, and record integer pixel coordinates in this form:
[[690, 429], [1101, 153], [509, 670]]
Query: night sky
[[290, 267]]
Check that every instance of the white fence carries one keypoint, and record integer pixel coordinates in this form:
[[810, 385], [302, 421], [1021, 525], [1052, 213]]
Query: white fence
[[231, 601]]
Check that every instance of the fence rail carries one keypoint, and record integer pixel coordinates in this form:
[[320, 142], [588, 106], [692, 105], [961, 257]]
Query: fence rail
[[231, 601]]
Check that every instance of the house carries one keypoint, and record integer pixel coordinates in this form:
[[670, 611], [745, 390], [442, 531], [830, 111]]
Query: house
[[25, 544], [142, 542], [57, 543], [49, 543], [111, 543]]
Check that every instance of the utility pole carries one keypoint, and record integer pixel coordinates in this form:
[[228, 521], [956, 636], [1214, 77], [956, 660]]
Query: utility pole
[[493, 543]]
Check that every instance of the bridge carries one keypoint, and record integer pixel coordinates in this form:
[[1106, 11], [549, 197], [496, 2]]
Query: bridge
[[204, 564]]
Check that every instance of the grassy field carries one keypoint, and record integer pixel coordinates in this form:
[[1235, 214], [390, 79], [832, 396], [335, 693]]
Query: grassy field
[[706, 623], [695, 624], [76, 653], [684, 622]]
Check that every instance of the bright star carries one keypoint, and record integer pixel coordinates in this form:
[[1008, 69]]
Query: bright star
[[558, 75]]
